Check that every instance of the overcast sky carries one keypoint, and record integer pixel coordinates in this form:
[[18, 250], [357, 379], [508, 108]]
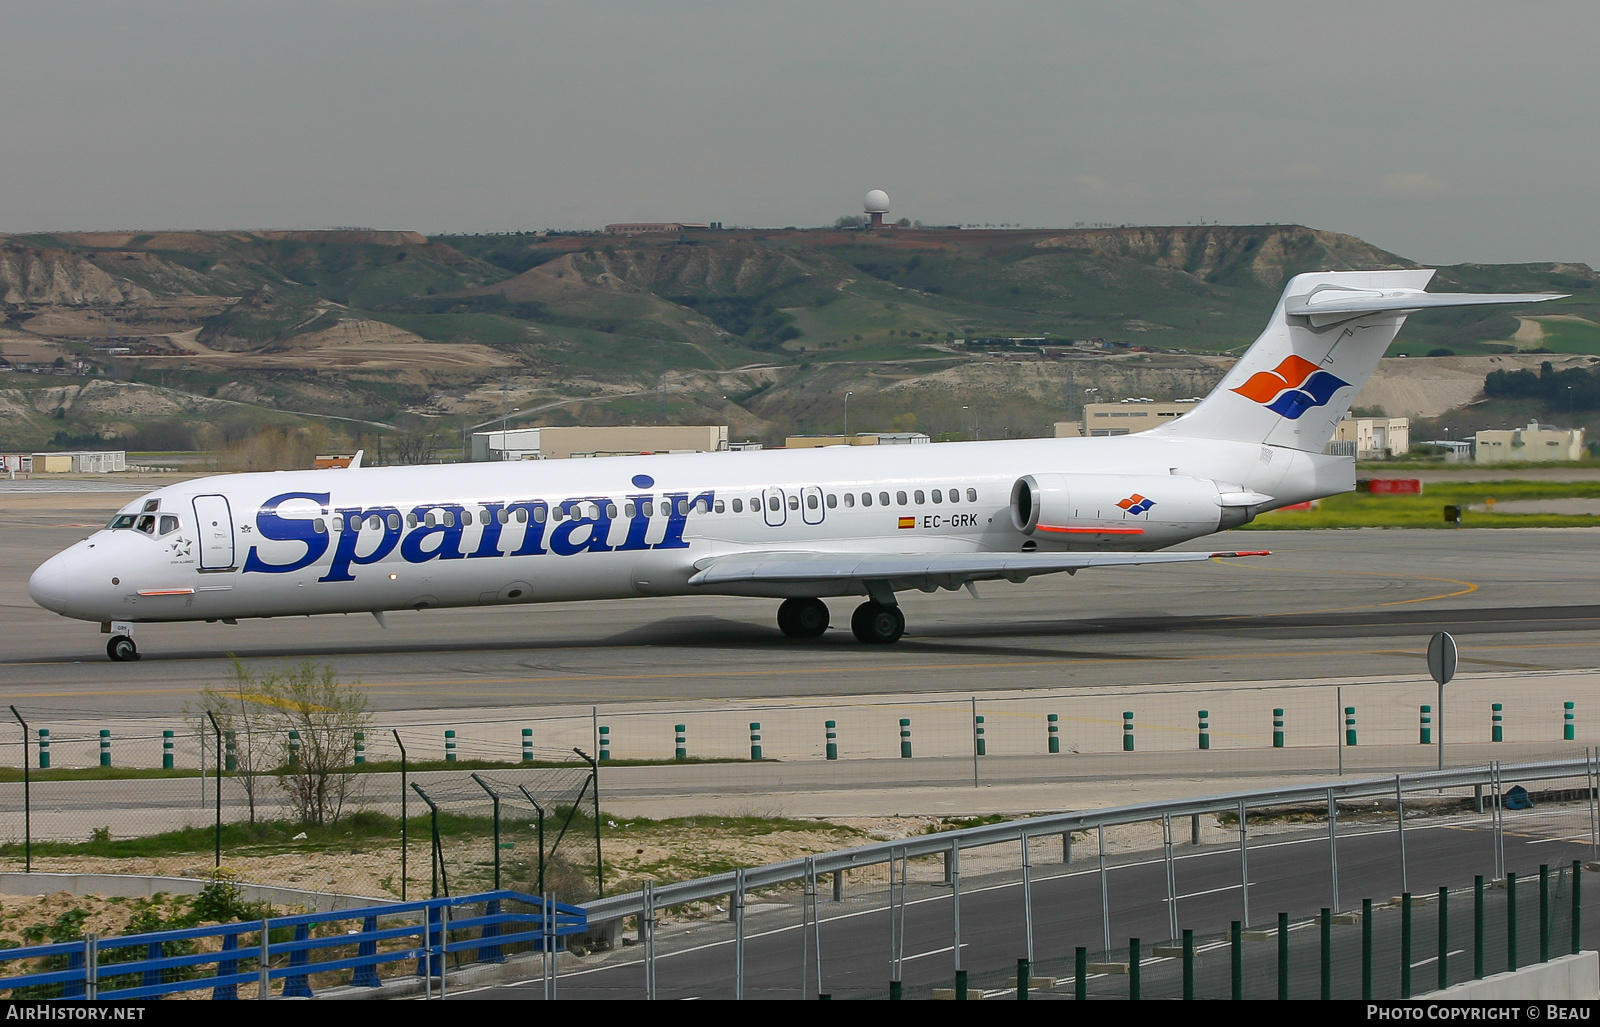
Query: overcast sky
[[1446, 132]]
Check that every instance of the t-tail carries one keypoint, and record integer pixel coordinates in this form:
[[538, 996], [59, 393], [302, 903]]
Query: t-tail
[[1326, 336]]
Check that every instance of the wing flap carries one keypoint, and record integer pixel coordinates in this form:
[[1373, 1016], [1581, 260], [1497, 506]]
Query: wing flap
[[919, 570]]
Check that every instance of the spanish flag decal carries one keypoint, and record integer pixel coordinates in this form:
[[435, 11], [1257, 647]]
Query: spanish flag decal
[[908, 522]]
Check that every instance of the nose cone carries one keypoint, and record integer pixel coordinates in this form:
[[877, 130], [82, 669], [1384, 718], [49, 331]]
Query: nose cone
[[61, 583]]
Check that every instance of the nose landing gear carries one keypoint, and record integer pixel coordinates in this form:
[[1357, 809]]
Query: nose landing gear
[[122, 649]]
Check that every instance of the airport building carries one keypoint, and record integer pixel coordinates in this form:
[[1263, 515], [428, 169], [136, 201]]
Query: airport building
[[82, 462], [1371, 438], [563, 443], [653, 227], [1535, 443], [1129, 416], [888, 438]]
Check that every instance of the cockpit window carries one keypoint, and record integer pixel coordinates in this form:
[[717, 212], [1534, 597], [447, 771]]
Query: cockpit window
[[121, 521], [147, 524], [169, 523]]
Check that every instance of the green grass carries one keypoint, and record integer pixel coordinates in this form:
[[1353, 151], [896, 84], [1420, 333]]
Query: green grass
[[1362, 510], [1570, 336]]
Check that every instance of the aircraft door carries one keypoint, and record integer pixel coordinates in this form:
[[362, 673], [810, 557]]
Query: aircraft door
[[811, 505], [775, 505], [214, 525]]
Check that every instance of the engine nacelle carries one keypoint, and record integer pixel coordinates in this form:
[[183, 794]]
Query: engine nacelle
[[1123, 511]]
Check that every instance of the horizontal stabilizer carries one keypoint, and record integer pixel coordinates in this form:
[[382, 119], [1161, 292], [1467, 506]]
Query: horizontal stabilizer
[[926, 571], [1331, 304]]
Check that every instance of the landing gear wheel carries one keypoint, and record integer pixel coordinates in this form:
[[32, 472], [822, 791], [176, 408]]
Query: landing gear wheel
[[877, 624], [122, 649], [803, 618]]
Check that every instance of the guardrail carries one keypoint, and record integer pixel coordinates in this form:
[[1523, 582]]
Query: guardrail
[[285, 949], [644, 903]]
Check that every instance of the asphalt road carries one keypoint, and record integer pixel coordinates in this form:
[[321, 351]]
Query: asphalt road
[[1286, 875], [1326, 603]]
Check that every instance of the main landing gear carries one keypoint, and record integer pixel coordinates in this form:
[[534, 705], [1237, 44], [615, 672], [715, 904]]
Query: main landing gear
[[873, 622], [122, 649]]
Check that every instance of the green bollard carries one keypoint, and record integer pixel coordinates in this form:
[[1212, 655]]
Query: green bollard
[[977, 728], [1544, 912], [105, 747], [681, 751], [1055, 732], [605, 743], [1127, 731], [1188, 965], [1349, 725], [1425, 734], [833, 740], [361, 746], [44, 748], [1577, 906], [895, 993], [1283, 957], [1325, 943], [1444, 938], [449, 745], [1405, 944], [1498, 732], [1080, 973], [1277, 729], [905, 738], [1477, 928], [755, 739], [961, 985], [1022, 980], [1366, 948], [1236, 956], [166, 750], [1133, 969], [1205, 729], [527, 745], [1511, 921], [1569, 729], [294, 749], [230, 747]]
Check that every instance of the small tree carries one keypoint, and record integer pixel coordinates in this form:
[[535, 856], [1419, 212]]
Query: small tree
[[263, 707]]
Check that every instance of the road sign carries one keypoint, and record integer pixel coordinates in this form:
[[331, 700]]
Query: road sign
[[1442, 657]]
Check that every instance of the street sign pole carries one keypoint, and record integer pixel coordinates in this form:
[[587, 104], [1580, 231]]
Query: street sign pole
[[1442, 665]]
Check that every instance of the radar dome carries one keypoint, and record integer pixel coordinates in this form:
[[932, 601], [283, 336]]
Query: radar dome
[[877, 202]]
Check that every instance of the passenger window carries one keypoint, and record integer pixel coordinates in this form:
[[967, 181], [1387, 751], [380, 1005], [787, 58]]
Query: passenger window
[[938, 496], [833, 501], [629, 509], [794, 502], [611, 510], [972, 495], [900, 497], [866, 499], [411, 520], [394, 521], [466, 518], [719, 506], [170, 523], [772, 502], [738, 506], [883, 499], [502, 516], [849, 500], [921, 497], [375, 522], [319, 526], [811, 502], [702, 506], [539, 515]]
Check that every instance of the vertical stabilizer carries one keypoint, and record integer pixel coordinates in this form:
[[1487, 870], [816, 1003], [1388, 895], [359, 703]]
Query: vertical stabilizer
[[1326, 336]]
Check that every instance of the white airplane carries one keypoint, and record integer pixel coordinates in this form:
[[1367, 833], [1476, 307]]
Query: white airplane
[[791, 525]]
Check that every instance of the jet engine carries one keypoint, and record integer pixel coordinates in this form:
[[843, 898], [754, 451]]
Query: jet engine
[[1120, 511]]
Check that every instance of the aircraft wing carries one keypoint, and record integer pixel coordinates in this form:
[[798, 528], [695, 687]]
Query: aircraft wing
[[926, 571]]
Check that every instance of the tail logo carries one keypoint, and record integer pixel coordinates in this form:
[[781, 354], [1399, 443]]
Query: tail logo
[[1136, 504], [1292, 388]]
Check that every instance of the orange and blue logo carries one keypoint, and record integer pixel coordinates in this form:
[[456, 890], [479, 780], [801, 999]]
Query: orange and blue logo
[[1136, 504], [1293, 387]]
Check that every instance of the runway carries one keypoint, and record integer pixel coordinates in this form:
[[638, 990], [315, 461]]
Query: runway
[[1355, 603]]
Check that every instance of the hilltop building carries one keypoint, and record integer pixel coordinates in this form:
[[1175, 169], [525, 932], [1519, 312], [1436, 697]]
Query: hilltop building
[[564, 443], [887, 438]]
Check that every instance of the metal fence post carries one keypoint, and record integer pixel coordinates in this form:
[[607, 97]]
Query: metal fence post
[[1171, 874], [1105, 899], [1511, 921], [738, 934], [1133, 969], [1405, 945], [1236, 957], [1027, 898], [1366, 948], [1477, 927], [1333, 847], [1544, 912], [1188, 965], [1400, 829], [1577, 906], [647, 932], [1444, 937], [955, 911], [1283, 957], [27, 790], [1244, 863], [1325, 955]]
